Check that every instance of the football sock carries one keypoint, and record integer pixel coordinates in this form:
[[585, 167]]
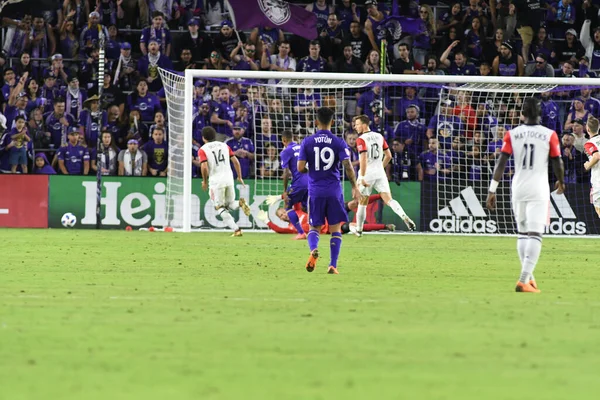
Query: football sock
[[335, 245], [373, 227], [234, 205], [532, 255], [313, 239], [295, 221], [521, 245], [374, 197], [361, 215], [228, 219], [397, 208]]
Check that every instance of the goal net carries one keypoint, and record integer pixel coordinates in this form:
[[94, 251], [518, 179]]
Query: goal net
[[445, 133]]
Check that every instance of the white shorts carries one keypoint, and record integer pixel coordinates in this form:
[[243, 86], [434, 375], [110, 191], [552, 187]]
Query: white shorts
[[380, 185], [532, 216], [222, 196], [595, 197]]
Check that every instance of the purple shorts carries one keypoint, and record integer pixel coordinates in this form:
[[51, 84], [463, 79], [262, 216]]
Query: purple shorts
[[330, 208], [296, 196]]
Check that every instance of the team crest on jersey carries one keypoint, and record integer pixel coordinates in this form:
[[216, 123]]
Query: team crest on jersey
[[159, 155], [277, 11], [445, 129]]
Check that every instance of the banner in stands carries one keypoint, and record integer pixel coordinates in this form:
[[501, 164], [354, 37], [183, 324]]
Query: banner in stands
[[23, 201], [463, 210], [140, 202]]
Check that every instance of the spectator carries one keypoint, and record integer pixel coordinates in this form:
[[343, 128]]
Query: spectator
[[448, 38], [57, 68], [91, 119], [485, 69], [140, 99], [227, 40], [584, 72], [10, 82], [110, 11], [410, 98], [465, 112], [578, 114], [543, 45], [587, 11], [115, 126], [24, 65], [492, 49], [169, 10], [243, 148], [459, 66], [126, 74], [108, 157], [474, 10], [73, 159], [149, 64], [508, 63], [90, 70], [423, 40], [403, 164], [195, 40], [42, 166], [382, 126], [572, 159], [349, 63], [322, 10], [247, 60], [529, 15], [561, 16], [476, 41], [160, 122], [69, 42], [215, 61], [158, 153], [578, 132], [241, 117], [566, 70], [348, 13], [590, 103], [39, 134], [427, 164], [371, 103], [20, 40], [351, 137], [185, 61], [374, 20], [113, 44], [550, 113], [282, 120], [57, 123], [269, 166], [453, 18], [133, 161], [137, 129], [17, 104], [570, 49], [359, 41], [19, 137], [591, 46], [111, 95], [404, 64], [266, 38], [43, 42], [158, 32], [265, 135], [332, 39], [280, 61], [314, 62], [373, 64], [74, 97], [541, 67], [201, 120], [214, 11], [90, 35], [75, 11], [223, 115], [445, 124], [411, 132]]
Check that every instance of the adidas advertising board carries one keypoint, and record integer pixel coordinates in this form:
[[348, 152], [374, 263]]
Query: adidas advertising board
[[570, 213]]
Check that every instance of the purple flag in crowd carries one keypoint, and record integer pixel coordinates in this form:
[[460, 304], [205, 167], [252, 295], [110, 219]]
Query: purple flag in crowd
[[392, 28], [248, 14]]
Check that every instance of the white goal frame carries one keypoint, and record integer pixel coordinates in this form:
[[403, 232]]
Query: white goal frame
[[521, 84]]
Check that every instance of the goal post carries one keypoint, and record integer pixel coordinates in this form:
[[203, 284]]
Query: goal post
[[456, 201]]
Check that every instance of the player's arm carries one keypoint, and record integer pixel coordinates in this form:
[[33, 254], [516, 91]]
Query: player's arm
[[387, 154], [505, 153], [351, 177], [237, 167], [286, 177], [361, 146], [302, 166], [592, 151], [557, 163]]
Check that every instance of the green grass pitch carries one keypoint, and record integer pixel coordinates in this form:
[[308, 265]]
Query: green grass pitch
[[139, 315]]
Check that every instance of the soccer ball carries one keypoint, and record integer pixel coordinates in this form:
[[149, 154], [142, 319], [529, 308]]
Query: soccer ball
[[68, 220]]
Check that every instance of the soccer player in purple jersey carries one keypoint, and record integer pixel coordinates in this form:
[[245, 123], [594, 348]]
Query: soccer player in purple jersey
[[297, 192], [320, 156]]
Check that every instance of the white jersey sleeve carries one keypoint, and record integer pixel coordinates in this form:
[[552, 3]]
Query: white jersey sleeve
[[374, 145], [531, 146], [593, 146], [217, 156]]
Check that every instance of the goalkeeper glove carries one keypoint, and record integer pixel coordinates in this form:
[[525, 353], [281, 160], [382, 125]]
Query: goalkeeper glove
[[272, 199], [262, 216]]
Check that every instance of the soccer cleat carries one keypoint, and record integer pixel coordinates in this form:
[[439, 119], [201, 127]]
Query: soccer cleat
[[300, 236], [237, 233], [391, 227], [244, 207], [534, 284], [332, 270], [525, 288], [409, 223], [312, 260]]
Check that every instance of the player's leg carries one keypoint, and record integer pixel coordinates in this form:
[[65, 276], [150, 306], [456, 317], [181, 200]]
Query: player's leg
[[221, 198], [383, 187], [361, 209], [596, 202], [531, 218], [293, 199], [316, 216], [336, 215]]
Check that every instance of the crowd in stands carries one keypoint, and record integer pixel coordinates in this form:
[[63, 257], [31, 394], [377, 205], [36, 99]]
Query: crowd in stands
[[53, 114]]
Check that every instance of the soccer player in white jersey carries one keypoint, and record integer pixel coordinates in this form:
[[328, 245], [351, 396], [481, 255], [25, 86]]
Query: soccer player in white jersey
[[217, 176], [374, 155], [592, 147], [531, 144]]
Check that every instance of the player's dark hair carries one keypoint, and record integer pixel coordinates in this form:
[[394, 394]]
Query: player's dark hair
[[325, 116], [209, 134], [362, 118], [287, 135], [532, 108]]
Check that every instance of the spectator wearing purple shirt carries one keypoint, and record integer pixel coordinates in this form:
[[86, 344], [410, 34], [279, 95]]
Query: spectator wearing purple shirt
[[475, 41], [89, 118], [459, 66], [201, 120], [265, 135], [73, 159], [10, 81], [147, 104], [550, 113], [110, 11], [158, 153], [243, 148], [266, 38], [371, 101], [423, 40], [247, 60], [444, 126], [76, 11], [411, 131], [20, 139], [427, 164], [90, 35], [113, 43], [410, 99], [89, 72], [74, 97], [332, 38], [347, 12], [57, 123], [148, 65], [126, 74], [308, 100], [57, 69], [43, 42], [223, 115], [313, 62], [159, 32]]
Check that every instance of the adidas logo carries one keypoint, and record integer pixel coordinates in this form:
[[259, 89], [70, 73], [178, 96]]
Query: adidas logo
[[561, 210], [456, 218]]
